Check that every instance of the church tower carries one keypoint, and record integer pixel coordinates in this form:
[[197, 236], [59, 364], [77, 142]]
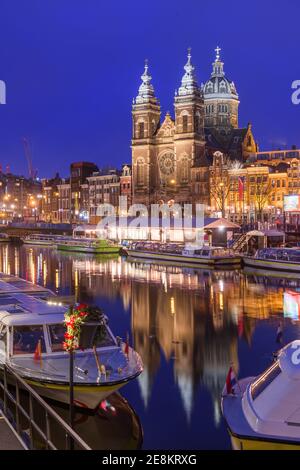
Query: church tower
[[189, 141], [145, 122], [220, 99]]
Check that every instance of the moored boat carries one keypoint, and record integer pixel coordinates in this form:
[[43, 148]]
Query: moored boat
[[88, 245], [42, 239], [282, 259], [174, 253], [32, 336], [263, 413]]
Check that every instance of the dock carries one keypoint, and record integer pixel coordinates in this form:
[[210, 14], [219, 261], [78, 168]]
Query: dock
[[9, 439]]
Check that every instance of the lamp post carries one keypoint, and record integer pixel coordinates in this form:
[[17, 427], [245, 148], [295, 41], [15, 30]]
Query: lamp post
[[71, 388]]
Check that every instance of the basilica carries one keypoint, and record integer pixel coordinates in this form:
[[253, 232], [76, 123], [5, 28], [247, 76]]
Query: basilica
[[172, 156]]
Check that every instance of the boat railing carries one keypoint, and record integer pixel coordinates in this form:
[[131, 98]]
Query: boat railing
[[41, 421]]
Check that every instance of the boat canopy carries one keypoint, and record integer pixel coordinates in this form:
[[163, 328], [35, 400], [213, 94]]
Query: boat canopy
[[22, 309], [271, 403]]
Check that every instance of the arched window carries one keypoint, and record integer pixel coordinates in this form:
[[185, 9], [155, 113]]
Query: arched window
[[140, 172], [153, 127], [141, 130], [197, 123], [184, 170], [184, 123]]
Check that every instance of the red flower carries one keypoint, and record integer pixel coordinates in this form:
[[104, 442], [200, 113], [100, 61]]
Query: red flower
[[82, 306]]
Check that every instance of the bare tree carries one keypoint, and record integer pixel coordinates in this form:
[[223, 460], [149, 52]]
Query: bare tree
[[220, 180], [261, 191]]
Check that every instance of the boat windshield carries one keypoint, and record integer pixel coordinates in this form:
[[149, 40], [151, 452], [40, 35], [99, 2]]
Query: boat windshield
[[3, 337], [91, 335], [26, 339], [265, 380]]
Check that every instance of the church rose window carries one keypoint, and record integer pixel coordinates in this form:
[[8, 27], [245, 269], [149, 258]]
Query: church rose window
[[166, 164]]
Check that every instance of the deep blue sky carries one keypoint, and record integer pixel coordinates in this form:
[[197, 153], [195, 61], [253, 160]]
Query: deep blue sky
[[72, 68]]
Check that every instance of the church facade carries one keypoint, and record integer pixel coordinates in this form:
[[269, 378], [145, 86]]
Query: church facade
[[169, 156]]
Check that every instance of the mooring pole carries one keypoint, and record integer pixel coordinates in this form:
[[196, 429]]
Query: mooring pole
[[71, 389]]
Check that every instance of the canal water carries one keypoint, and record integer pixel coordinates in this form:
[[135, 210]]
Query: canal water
[[188, 325]]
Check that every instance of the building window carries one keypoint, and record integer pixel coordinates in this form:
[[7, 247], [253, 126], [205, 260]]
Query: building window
[[184, 170], [140, 172], [141, 130], [278, 183], [184, 123]]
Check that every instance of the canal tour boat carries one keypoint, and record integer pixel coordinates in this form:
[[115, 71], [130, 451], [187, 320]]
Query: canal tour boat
[[184, 255], [263, 413], [282, 259], [32, 343], [42, 239], [88, 245]]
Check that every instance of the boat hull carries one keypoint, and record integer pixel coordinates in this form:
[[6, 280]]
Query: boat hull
[[84, 396], [244, 443], [85, 249], [184, 260], [276, 265], [38, 242]]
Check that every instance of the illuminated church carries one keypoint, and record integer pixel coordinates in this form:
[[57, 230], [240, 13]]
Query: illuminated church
[[169, 155]]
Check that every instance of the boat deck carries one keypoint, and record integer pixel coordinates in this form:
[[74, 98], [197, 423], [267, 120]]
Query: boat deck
[[8, 438]]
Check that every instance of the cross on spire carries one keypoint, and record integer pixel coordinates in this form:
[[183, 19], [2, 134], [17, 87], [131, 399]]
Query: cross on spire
[[217, 50]]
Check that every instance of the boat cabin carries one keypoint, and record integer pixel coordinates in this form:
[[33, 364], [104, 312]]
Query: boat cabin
[[25, 320], [279, 254], [206, 252]]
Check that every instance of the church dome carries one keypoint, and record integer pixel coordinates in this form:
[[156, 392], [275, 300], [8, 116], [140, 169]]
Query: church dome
[[219, 86]]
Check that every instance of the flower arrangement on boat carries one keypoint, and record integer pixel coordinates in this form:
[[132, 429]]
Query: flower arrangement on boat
[[75, 317]]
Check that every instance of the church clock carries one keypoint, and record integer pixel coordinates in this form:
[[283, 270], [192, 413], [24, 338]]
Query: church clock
[[166, 164]]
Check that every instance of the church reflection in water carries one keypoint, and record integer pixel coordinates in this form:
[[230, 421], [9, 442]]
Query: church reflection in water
[[193, 319]]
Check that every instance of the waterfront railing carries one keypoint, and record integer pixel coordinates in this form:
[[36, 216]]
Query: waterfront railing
[[37, 424]]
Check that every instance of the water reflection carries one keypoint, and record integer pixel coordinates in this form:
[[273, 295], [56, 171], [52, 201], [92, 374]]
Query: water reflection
[[187, 324]]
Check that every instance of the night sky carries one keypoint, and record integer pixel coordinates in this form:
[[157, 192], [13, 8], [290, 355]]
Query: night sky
[[72, 67]]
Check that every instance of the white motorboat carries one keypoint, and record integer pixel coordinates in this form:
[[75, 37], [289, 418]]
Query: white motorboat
[[264, 412], [29, 324]]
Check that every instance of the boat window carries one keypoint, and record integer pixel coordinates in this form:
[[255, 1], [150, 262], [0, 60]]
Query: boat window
[[265, 380], [95, 335], [26, 339], [57, 337], [205, 252], [3, 337]]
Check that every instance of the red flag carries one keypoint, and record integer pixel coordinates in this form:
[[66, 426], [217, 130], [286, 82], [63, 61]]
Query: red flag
[[38, 352], [230, 381], [241, 188], [126, 349]]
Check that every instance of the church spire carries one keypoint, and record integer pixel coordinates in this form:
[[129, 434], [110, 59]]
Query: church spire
[[218, 64], [189, 85], [146, 90]]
